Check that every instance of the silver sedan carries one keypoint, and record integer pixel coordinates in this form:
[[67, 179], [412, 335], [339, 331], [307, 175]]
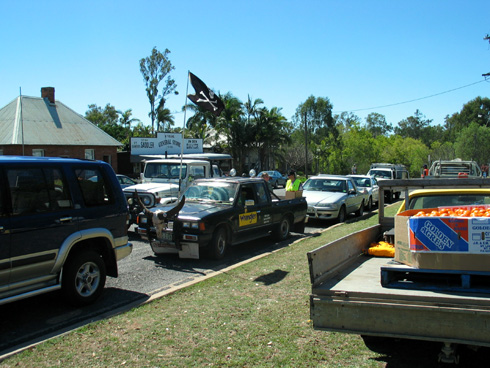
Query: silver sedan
[[332, 197]]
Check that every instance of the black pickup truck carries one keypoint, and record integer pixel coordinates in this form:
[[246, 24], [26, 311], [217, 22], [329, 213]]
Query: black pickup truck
[[220, 212]]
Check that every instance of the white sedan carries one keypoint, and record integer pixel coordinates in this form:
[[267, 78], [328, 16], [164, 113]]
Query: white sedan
[[369, 185], [332, 197]]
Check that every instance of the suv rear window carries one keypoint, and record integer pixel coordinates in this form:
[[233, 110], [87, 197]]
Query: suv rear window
[[94, 187], [35, 190]]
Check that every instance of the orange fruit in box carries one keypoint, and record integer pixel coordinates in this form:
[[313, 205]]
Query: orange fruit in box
[[458, 212]]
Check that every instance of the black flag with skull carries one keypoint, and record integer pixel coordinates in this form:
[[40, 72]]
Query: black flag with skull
[[204, 97]]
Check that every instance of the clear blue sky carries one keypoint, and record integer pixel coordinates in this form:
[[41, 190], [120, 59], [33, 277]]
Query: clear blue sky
[[359, 54]]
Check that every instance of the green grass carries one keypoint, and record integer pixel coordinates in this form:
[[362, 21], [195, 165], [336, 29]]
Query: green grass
[[256, 315]]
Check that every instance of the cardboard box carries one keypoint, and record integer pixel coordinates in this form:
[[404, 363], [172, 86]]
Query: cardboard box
[[291, 195], [442, 260]]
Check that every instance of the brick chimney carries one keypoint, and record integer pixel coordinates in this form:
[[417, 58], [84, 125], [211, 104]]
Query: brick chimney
[[48, 92]]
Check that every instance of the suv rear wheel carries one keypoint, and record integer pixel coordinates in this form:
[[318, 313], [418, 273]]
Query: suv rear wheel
[[84, 277]]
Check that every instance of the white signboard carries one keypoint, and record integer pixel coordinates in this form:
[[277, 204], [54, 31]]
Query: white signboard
[[165, 142]]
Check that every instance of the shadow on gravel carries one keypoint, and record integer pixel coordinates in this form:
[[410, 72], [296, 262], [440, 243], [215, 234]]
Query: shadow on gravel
[[235, 254]]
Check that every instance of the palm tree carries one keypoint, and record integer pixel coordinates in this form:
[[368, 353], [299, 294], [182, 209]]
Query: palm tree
[[165, 120], [232, 124], [200, 124], [272, 132], [252, 108], [126, 120]]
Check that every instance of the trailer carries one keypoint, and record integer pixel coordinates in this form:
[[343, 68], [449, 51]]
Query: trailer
[[359, 294]]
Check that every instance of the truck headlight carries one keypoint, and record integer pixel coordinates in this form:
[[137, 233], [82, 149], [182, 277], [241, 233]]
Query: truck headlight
[[193, 225]]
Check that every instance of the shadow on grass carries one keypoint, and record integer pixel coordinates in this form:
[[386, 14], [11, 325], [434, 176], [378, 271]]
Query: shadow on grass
[[37, 318], [272, 278]]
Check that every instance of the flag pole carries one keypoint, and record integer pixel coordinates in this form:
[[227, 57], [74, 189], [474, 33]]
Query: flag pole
[[183, 131], [21, 121]]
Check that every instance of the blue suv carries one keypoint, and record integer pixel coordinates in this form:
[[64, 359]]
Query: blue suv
[[63, 225]]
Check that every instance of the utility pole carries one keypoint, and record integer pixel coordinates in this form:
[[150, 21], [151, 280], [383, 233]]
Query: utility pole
[[306, 147], [487, 38]]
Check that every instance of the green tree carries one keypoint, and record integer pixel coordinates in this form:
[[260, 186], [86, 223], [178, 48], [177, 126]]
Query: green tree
[[154, 69], [358, 149], [125, 120], [252, 107], [200, 125], [472, 143], [142, 131], [442, 151], [407, 151], [314, 117], [475, 111], [376, 124], [107, 119], [165, 120], [413, 126], [271, 133], [233, 126]]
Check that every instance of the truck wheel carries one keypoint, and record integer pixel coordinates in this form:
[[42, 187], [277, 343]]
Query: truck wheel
[[218, 245], [360, 211], [84, 276], [282, 230], [342, 214]]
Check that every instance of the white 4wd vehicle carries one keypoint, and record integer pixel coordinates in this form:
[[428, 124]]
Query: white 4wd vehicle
[[160, 181]]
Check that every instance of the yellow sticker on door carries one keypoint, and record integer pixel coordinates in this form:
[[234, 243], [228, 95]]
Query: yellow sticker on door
[[246, 219]]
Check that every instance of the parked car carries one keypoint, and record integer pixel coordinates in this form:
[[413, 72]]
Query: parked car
[[332, 197], [59, 227], [125, 181], [369, 185], [276, 178]]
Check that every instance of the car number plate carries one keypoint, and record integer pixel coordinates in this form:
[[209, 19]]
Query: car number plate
[[167, 236]]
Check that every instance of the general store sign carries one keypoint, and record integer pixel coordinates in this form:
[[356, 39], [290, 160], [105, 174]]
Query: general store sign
[[165, 142]]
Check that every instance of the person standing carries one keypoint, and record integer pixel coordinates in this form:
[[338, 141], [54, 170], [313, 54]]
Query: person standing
[[267, 178], [425, 171], [293, 184]]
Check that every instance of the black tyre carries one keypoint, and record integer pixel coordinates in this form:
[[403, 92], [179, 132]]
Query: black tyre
[[84, 276], [369, 206], [283, 229], [276, 185], [360, 211], [218, 245], [342, 214]]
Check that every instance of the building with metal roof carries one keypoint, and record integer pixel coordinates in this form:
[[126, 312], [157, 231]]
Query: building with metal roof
[[42, 126]]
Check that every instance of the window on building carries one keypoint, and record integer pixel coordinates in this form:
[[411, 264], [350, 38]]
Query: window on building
[[107, 158], [38, 152], [90, 154]]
